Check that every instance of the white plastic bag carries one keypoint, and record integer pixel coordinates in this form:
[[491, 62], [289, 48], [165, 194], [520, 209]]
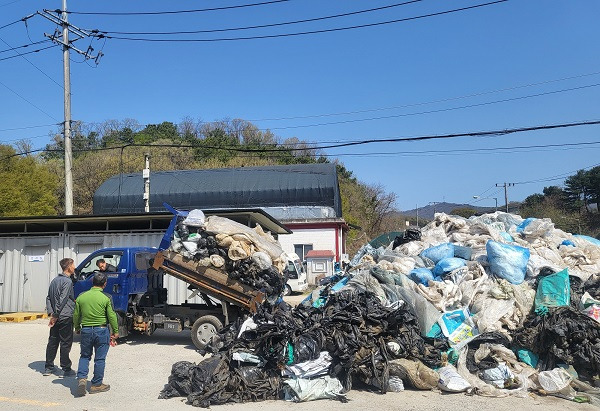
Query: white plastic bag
[[195, 218], [451, 381], [300, 389], [556, 381]]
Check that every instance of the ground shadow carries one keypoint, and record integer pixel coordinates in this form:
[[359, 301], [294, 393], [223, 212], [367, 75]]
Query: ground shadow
[[39, 366], [161, 337], [68, 382]]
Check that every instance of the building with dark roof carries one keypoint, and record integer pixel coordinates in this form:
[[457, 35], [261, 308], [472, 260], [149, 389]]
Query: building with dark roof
[[305, 197]]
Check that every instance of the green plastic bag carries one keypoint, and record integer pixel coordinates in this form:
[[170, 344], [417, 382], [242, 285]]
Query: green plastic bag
[[553, 290]]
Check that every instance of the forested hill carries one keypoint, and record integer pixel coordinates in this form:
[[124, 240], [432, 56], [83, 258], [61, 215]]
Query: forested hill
[[33, 183]]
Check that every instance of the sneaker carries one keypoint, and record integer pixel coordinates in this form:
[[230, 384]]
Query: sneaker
[[48, 371], [69, 373], [81, 387], [94, 389]]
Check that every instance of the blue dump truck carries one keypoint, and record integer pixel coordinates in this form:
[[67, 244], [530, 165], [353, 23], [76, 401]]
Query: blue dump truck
[[136, 284]]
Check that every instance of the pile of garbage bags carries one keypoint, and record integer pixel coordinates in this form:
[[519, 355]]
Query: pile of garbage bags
[[310, 353], [250, 256], [492, 305]]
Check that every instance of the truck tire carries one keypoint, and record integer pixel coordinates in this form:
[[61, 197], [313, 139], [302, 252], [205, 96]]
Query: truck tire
[[287, 290], [204, 329]]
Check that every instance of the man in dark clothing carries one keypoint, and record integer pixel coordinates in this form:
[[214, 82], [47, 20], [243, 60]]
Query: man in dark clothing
[[60, 304], [105, 267]]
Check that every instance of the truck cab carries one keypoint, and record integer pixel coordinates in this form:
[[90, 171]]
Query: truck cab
[[129, 280], [296, 275]]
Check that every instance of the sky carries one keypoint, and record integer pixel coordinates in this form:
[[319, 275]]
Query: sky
[[508, 65]]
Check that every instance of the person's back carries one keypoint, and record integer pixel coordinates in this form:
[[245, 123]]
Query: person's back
[[93, 314]]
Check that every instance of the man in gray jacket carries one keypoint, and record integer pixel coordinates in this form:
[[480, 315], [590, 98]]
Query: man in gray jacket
[[60, 304]]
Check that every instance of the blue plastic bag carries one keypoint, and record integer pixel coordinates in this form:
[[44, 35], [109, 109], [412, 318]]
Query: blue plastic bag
[[507, 236], [568, 242], [422, 276], [507, 261], [439, 252], [463, 252], [592, 240], [554, 290], [524, 224], [447, 265]]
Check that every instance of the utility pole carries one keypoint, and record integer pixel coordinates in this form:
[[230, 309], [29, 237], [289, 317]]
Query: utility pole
[[417, 209], [146, 176], [505, 185], [61, 37], [67, 124]]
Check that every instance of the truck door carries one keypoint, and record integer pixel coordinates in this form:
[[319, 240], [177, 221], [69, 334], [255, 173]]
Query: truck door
[[116, 284]]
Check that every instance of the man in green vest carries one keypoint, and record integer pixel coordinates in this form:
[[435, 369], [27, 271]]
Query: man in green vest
[[93, 313]]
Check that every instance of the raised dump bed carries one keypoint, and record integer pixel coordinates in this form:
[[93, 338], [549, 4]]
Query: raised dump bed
[[209, 280]]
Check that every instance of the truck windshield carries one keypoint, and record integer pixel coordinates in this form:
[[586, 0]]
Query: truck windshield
[[101, 262]]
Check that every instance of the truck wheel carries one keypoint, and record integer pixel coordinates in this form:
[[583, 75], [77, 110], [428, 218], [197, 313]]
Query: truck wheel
[[287, 290], [204, 329]]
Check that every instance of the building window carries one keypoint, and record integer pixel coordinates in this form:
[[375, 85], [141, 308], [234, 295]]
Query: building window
[[302, 249], [319, 266]]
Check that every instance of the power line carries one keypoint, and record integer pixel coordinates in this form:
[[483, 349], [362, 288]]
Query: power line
[[20, 47], [24, 138], [557, 177], [29, 127], [444, 100], [28, 52], [10, 24], [9, 3], [441, 110], [150, 13], [155, 33], [494, 133], [267, 36], [29, 61], [33, 105], [278, 154]]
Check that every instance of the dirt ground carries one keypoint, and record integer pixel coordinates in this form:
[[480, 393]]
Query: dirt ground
[[137, 370]]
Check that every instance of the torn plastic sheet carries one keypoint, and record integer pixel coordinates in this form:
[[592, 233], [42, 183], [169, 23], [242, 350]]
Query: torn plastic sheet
[[301, 389], [309, 369]]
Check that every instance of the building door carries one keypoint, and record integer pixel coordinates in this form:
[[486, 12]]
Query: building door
[[36, 277]]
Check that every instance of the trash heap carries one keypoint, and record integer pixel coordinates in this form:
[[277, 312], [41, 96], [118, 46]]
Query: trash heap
[[492, 305], [248, 255]]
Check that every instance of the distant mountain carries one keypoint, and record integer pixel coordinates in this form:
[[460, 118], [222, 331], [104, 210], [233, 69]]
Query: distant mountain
[[428, 211]]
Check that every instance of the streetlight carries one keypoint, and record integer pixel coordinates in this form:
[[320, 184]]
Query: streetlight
[[487, 198]]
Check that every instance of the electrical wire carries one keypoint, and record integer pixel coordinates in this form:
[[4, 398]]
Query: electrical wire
[[444, 100], [10, 24], [302, 33], [33, 105], [150, 13], [441, 110], [29, 127], [494, 133], [20, 47], [29, 61], [24, 138], [556, 177], [9, 3], [169, 33], [29, 52]]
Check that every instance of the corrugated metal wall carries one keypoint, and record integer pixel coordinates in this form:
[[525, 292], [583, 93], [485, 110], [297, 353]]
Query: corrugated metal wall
[[28, 264]]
